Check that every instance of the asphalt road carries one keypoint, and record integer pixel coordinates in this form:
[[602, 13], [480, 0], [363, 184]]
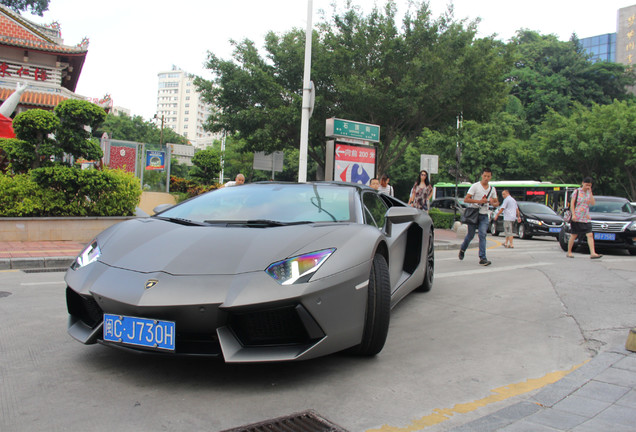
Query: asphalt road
[[480, 340]]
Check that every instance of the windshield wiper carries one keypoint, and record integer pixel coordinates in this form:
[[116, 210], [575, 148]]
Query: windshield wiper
[[259, 223], [181, 221]]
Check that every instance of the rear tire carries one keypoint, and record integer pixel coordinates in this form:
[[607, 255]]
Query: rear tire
[[430, 265], [376, 325]]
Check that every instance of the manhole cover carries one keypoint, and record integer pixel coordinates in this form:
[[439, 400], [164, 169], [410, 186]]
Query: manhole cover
[[308, 421]]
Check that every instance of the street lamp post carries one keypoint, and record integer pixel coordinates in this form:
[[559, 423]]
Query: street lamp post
[[161, 130]]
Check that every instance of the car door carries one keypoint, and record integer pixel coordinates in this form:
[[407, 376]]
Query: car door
[[375, 215]]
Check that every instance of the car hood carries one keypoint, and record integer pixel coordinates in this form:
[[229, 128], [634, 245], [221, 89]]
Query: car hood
[[545, 217], [612, 217], [152, 245]]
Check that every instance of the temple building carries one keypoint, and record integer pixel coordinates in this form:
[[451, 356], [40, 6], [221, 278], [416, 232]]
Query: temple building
[[35, 55]]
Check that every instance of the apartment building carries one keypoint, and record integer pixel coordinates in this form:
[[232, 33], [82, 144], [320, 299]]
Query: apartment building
[[180, 107]]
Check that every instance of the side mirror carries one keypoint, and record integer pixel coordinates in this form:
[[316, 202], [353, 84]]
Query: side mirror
[[161, 207]]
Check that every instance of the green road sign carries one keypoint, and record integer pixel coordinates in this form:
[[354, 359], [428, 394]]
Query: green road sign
[[351, 129]]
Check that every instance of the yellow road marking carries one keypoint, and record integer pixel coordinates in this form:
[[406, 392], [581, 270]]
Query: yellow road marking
[[440, 415]]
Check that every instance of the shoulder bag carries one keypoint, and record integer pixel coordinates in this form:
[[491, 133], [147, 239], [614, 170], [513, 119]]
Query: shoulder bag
[[471, 214]]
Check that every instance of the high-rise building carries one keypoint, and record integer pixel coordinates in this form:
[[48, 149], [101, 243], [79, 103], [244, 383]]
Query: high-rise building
[[181, 108], [601, 47], [619, 47]]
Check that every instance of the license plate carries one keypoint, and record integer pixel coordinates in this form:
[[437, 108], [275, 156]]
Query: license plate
[[605, 236], [139, 331], [555, 230]]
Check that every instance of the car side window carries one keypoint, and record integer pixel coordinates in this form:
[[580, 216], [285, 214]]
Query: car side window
[[375, 210]]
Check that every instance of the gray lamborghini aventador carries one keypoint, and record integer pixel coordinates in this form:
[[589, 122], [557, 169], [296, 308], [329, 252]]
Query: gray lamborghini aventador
[[253, 273]]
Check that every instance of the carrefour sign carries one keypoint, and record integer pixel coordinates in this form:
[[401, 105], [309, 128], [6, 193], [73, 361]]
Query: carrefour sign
[[354, 164]]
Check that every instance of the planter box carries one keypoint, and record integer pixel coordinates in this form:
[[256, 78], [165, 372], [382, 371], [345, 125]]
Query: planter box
[[80, 229]]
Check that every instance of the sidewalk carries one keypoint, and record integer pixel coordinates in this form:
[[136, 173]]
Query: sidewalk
[[38, 255], [599, 396]]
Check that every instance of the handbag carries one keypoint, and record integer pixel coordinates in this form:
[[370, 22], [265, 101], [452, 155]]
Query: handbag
[[471, 214], [567, 214]]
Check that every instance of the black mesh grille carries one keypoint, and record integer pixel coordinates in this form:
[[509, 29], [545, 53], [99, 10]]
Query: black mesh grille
[[84, 308], [307, 421], [269, 327]]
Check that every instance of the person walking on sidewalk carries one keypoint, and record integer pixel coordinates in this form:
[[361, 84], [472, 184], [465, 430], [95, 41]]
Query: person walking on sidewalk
[[511, 214], [581, 223], [480, 195]]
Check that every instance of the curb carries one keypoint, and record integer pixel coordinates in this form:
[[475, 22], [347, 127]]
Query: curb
[[35, 263]]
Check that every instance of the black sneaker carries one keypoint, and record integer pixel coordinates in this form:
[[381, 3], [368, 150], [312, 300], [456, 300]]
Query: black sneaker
[[461, 254], [484, 262]]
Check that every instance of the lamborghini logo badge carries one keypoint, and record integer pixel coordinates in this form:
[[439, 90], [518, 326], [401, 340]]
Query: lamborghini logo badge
[[151, 282]]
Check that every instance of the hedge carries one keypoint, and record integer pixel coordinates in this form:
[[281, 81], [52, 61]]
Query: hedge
[[60, 191], [440, 219]]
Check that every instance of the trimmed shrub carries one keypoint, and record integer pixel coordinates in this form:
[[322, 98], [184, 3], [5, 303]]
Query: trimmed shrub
[[66, 191], [440, 219]]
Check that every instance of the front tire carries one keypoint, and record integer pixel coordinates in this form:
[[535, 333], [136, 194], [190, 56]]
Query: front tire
[[430, 265], [521, 232], [493, 228], [376, 325], [563, 239]]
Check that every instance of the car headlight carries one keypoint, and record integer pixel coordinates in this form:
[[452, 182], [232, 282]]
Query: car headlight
[[534, 221], [87, 256], [298, 269], [632, 226]]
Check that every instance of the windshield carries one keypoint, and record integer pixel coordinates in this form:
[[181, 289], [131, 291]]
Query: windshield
[[271, 202], [535, 208], [611, 207]]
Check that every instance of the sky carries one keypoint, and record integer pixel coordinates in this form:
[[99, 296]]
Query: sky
[[131, 41]]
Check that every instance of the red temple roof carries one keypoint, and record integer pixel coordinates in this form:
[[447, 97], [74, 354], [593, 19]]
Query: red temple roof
[[34, 99], [19, 33]]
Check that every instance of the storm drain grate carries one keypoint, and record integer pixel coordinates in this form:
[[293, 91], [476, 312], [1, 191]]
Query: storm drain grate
[[306, 421], [45, 270]]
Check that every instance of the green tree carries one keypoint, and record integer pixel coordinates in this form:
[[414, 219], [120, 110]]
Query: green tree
[[71, 135], [36, 7], [365, 69], [550, 74], [125, 128], [36, 127], [599, 141], [207, 164]]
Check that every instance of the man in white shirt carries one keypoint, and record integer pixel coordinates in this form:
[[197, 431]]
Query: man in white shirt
[[385, 187], [238, 180], [511, 214], [480, 195]]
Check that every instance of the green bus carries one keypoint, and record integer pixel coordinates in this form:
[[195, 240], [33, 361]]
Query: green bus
[[553, 195]]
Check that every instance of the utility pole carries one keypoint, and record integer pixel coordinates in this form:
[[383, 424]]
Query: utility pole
[[306, 109], [458, 156]]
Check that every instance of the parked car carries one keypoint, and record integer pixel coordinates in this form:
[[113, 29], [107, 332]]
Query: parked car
[[536, 220], [449, 205], [613, 225], [260, 272]]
